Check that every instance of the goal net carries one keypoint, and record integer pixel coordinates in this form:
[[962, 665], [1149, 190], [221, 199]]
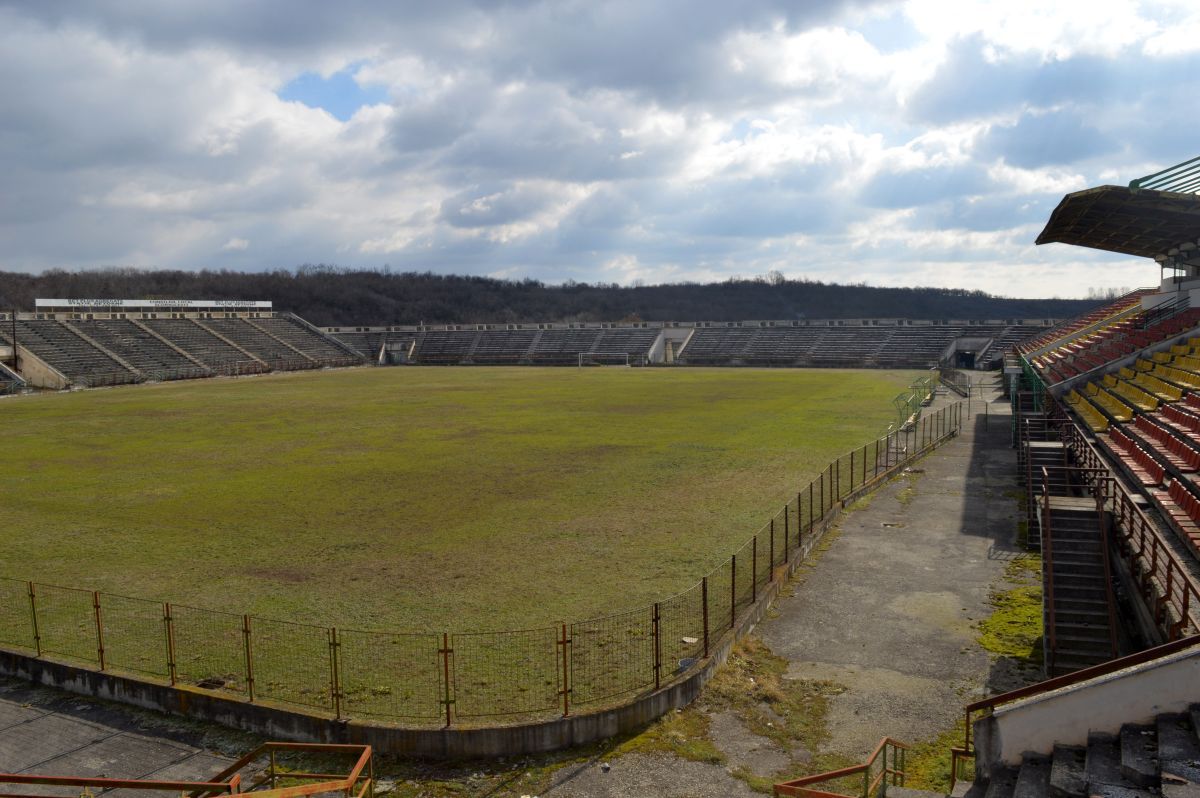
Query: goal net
[[603, 359]]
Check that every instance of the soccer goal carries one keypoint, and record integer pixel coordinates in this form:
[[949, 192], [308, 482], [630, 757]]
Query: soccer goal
[[603, 359]]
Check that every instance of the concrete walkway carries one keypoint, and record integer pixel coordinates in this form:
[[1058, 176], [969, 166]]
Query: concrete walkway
[[890, 612], [50, 732]]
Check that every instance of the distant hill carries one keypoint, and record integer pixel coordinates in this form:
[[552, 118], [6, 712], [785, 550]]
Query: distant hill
[[330, 296]]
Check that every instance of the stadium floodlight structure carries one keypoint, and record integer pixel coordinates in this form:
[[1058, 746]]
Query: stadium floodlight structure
[[603, 359], [1182, 178]]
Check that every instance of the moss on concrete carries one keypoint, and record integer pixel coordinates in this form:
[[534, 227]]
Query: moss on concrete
[[1014, 629]]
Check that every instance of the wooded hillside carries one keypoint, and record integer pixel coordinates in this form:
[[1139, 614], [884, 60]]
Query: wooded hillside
[[329, 296]]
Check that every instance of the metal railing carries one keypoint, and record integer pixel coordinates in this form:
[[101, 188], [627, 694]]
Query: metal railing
[[273, 781], [875, 771], [1161, 312], [445, 678], [955, 380], [1165, 584]]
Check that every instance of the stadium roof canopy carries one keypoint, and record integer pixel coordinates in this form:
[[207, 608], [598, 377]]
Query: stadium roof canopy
[[1157, 216]]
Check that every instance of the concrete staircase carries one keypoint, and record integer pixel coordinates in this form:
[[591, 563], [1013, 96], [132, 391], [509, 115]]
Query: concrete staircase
[[1160, 759]]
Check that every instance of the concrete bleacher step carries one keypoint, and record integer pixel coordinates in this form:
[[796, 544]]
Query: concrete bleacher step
[[1159, 760], [1002, 784], [1105, 775], [1139, 755], [1033, 777]]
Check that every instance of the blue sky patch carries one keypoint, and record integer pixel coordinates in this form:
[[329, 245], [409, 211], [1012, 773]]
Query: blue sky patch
[[337, 94]]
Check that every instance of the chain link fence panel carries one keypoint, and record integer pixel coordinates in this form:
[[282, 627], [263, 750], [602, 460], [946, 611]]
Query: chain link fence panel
[[612, 656], [390, 675], [506, 673], [66, 620], [209, 647], [681, 632], [291, 662], [16, 623], [720, 600], [744, 584], [135, 635]]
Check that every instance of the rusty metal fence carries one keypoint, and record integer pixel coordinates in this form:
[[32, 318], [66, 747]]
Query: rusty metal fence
[[448, 678]]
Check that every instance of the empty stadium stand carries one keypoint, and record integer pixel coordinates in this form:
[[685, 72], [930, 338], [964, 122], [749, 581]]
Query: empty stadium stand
[[64, 349], [112, 349], [304, 338], [893, 345], [530, 345], [139, 347]]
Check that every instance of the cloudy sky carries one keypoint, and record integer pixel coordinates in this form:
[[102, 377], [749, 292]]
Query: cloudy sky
[[917, 143]]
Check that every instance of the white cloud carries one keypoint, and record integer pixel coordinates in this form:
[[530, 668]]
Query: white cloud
[[622, 141]]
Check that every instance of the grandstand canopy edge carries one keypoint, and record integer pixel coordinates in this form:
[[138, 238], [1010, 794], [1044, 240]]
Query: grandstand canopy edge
[[1162, 225]]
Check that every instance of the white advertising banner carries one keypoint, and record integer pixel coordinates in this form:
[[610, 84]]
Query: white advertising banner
[[151, 303]]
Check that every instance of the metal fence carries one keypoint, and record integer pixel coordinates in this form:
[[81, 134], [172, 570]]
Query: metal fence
[[449, 678]]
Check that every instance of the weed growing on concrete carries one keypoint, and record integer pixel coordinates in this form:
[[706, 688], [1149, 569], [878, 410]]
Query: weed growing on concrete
[[1014, 629], [927, 764]]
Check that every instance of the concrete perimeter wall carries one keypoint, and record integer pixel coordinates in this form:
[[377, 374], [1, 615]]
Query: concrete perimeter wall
[[1066, 716]]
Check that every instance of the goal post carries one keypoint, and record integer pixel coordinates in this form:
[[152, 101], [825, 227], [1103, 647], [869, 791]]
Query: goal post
[[603, 359]]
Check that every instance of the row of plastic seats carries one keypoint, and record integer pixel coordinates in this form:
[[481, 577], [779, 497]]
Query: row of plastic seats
[[1149, 470], [1185, 499], [1087, 411], [1187, 457]]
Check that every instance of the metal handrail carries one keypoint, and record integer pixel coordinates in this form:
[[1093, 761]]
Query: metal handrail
[[1147, 319], [1139, 538], [229, 787], [1047, 540], [1110, 599], [324, 782], [800, 786]]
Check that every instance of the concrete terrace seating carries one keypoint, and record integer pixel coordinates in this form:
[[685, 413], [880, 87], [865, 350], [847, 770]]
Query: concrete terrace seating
[[199, 342], [503, 346], [138, 348], [782, 344], [78, 360], [835, 345], [304, 338], [564, 346], [366, 344], [252, 339], [850, 345], [718, 344], [531, 346], [444, 346], [633, 341]]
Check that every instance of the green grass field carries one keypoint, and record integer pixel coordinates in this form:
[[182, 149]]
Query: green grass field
[[419, 498]]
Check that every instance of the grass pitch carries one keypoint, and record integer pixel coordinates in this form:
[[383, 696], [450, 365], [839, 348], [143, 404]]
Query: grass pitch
[[419, 498]]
